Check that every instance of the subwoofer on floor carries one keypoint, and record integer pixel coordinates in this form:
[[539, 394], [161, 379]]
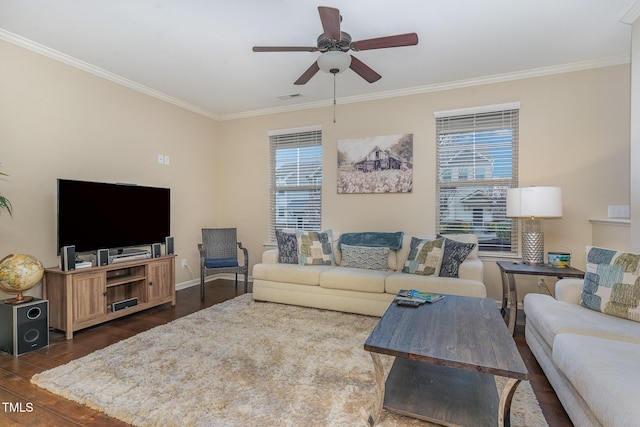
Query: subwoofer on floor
[[24, 327]]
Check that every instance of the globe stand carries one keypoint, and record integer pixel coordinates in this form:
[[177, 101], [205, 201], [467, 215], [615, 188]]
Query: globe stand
[[19, 273], [19, 299]]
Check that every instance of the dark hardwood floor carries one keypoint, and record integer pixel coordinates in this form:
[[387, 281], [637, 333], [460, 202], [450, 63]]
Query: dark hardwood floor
[[24, 404]]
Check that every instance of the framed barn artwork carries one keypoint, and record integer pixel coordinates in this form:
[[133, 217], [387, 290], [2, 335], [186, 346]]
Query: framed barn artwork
[[379, 164]]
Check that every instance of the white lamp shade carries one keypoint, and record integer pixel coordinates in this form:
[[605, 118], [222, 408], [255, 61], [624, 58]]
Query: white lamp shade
[[534, 202], [334, 60]]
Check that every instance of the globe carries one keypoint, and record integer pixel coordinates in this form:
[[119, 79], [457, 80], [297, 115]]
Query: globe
[[19, 273]]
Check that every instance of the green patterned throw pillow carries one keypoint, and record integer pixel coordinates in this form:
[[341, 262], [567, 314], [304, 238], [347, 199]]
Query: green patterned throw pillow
[[314, 248], [612, 283], [425, 257], [369, 258]]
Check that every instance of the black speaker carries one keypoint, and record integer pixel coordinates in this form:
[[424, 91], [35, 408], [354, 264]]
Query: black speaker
[[156, 250], [168, 245], [102, 257], [68, 258], [24, 327]]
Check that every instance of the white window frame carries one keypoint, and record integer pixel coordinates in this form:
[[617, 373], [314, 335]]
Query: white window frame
[[303, 179], [455, 197]]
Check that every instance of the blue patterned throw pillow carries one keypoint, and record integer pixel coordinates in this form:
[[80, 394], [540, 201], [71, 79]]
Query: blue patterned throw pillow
[[454, 254], [287, 247], [369, 258], [612, 283]]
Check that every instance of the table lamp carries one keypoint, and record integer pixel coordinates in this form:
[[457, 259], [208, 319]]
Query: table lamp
[[532, 204]]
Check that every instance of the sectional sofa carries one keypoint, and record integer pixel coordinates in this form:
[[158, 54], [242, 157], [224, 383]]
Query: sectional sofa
[[587, 344], [342, 285]]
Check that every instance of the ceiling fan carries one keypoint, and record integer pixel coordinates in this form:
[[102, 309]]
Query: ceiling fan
[[334, 45]]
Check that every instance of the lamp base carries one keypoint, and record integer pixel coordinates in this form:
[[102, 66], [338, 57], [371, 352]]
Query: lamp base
[[532, 242]]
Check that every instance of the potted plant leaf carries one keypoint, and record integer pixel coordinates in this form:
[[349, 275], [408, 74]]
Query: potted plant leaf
[[4, 202]]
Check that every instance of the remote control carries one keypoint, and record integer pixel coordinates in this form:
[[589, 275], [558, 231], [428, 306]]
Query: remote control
[[407, 303]]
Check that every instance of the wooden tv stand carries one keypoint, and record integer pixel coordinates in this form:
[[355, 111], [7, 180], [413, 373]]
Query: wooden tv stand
[[82, 298]]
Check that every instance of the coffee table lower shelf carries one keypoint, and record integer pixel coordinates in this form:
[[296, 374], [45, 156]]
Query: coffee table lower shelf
[[441, 394]]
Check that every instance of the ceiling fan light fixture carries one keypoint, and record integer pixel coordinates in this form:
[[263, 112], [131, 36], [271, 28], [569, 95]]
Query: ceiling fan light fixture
[[334, 61]]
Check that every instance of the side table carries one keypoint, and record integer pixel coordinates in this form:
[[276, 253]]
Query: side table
[[509, 291]]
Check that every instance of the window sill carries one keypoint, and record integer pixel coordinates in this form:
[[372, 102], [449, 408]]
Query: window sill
[[497, 256]]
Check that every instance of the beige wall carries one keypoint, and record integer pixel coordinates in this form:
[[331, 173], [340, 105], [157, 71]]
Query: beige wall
[[574, 133], [635, 137], [60, 122], [56, 121]]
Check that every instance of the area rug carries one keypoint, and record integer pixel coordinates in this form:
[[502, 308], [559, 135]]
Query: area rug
[[243, 363]]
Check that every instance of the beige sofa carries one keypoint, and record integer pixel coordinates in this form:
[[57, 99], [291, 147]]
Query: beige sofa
[[357, 290], [591, 359]]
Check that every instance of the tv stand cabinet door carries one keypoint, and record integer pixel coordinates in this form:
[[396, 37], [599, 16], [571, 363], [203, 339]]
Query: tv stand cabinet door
[[160, 281], [89, 296]]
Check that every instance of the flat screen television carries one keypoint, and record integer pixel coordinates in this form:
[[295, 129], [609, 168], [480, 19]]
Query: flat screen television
[[97, 215]]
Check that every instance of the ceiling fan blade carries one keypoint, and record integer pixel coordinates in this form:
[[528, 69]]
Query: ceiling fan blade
[[306, 76], [409, 39], [330, 18], [363, 70], [285, 49]]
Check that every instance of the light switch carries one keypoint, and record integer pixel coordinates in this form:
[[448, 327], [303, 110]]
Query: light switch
[[619, 211], [166, 160]]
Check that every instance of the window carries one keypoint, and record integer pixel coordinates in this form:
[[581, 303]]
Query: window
[[296, 179], [477, 161]]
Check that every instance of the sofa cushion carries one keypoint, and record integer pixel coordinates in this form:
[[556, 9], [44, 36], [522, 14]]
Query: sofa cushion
[[425, 257], [314, 248], [369, 258], [353, 279], [604, 373], [287, 247], [552, 317], [290, 273], [454, 254], [612, 283], [220, 262], [472, 269]]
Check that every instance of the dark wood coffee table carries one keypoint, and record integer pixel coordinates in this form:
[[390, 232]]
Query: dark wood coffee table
[[447, 354]]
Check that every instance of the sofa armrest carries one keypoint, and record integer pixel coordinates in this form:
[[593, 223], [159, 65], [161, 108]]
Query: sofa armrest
[[472, 269], [569, 290], [270, 256]]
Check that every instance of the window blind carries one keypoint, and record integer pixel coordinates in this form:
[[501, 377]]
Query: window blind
[[296, 180], [477, 161]]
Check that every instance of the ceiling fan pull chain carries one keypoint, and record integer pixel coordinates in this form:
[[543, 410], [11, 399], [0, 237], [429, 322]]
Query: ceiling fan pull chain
[[334, 97]]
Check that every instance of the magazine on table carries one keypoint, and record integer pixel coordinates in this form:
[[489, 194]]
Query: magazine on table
[[420, 295]]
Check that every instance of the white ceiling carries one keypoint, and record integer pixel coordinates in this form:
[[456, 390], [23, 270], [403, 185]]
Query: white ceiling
[[197, 53]]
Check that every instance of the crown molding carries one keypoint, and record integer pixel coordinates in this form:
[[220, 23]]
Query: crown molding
[[436, 87], [631, 14], [76, 63]]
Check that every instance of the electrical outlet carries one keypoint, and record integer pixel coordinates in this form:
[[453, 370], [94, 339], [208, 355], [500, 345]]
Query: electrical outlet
[[160, 159], [541, 281], [184, 263]]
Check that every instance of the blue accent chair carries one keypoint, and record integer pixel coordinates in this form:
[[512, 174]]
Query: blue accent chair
[[219, 254]]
